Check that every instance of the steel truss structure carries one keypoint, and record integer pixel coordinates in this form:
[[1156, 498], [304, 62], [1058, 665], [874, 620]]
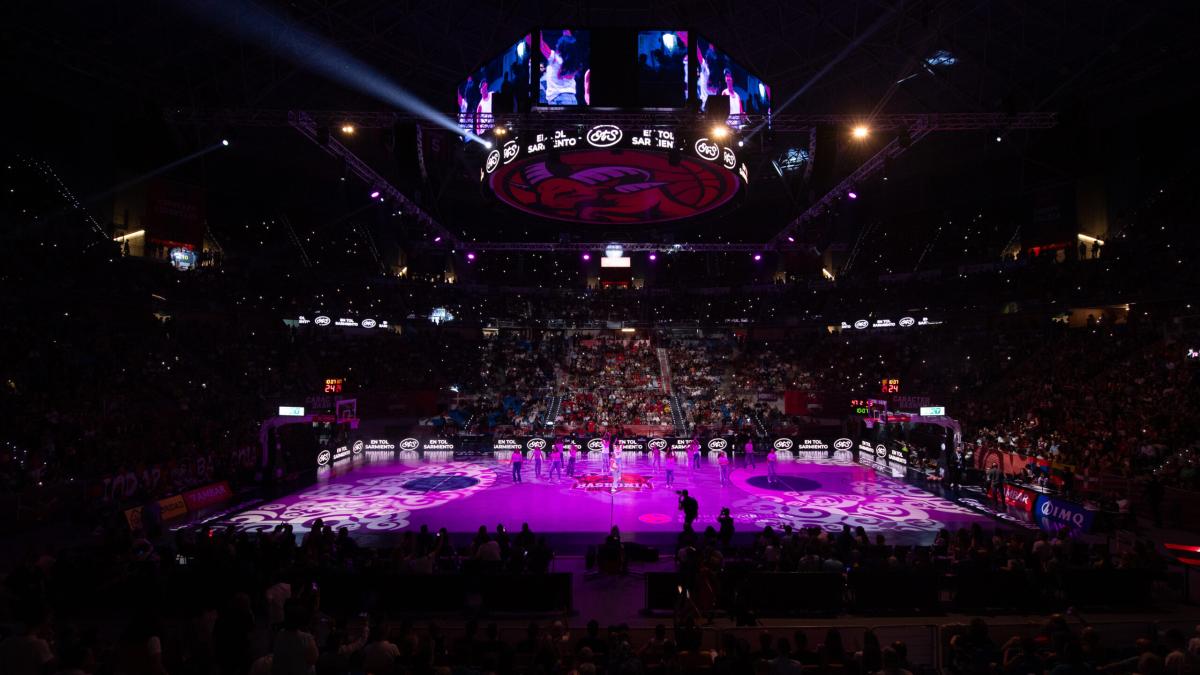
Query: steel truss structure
[[909, 129], [673, 119]]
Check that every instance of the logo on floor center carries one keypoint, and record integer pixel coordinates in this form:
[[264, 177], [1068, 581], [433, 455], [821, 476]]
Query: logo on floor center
[[628, 482]]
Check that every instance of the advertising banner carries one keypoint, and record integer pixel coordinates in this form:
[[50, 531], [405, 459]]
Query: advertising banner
[[1019, 497], [207, 496], [1053, 513]]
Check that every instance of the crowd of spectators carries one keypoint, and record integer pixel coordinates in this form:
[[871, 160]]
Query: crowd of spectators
[[614, 383]]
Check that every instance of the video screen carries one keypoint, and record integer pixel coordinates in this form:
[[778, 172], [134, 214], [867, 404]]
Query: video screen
[[662, 68], [565, 70], [719, 75], [499, 86]]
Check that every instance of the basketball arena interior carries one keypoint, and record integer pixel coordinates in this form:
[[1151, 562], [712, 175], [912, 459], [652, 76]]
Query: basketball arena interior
[[403, 338]]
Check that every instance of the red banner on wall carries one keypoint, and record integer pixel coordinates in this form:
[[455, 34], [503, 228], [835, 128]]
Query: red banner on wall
[[1020, 498], [207, 495]]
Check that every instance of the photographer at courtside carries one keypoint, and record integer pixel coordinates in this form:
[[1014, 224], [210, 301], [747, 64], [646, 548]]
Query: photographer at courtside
[[689, 506]]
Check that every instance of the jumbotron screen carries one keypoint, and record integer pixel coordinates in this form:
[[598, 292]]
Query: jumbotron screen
[[662, 68], [499, 85], [565, 69], [719, 75]]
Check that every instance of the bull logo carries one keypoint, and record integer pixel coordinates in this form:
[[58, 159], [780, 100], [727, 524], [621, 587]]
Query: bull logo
[[604, 135], [493, 161], [706, 149], [843, 444], [322, 320], [410, 444], [594, 186], [323, 457], [718, 444], [783, 444]]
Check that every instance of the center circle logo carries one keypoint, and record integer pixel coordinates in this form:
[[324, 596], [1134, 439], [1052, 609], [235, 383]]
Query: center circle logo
[[322, 320], [907, 322], [369, 323], [493, 161], [657, 444], [410, 444], [881, 450], [783, 444], [323, 457], [357, 447], [861, 324], [595, 444], [536, 443], [706, 149], [604, 135], [718, 444], [843, 444]]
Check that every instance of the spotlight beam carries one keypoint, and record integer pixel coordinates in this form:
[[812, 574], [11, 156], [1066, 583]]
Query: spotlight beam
[[261, 28]]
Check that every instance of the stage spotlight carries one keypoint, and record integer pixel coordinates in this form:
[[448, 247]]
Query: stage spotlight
[[348, 129], [791, 239], [487, 144], [720, 131], [757, 257], [653, 257], [861, 131], [741, 143], [375, 194], [587, 256], [999, 138], [470, 256], [852, 194], [437, 239], [225, 142], [500, 131]]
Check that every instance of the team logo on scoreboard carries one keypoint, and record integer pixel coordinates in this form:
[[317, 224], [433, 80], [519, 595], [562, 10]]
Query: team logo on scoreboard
[[323, 457], [718, 444], [604, 135], [657, 444], [493, 161], [368, 323], [357, 448], [410, 444], [843, 444], [595, 444], [706, 149], [511, 150], [536, 443], [861, 324], [881, 450], [783, 444], [322, 320], [728, 159], [594, 186]]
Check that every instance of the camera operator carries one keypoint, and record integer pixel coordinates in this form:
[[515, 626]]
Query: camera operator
[[690, 508]]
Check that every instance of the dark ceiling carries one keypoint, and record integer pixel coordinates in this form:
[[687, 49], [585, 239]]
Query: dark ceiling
[[90, 79]]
